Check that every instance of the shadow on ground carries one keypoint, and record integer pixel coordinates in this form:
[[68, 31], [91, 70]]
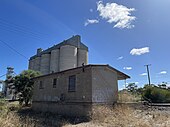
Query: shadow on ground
[[30, 117]]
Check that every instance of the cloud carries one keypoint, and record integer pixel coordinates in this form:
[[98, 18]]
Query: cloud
[[118, 14], [163, 72], [119, 58], [127, 68], [136, 83], [143, 74], [139, 51], [91, 10], [91, 21]]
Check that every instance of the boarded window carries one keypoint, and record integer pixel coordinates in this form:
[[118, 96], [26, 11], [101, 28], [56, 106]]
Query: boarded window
[[41, 85], [54, 83], [72, 83]]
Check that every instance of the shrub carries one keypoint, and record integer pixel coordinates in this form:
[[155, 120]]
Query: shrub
[[156, 95]]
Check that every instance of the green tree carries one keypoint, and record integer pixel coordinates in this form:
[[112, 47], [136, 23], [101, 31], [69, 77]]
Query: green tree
[[163, 85], [24, 85], [132, 87]]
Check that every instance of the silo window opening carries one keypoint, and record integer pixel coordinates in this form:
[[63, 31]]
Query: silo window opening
[[54, 83], [72, 83]]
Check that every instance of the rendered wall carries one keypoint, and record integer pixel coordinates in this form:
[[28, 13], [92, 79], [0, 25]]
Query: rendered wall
[[94, 85], [66, 109], [50, 94], [105, 86], [76, 103]]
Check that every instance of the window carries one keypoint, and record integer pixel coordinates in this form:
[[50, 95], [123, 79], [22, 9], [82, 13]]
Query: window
[[54, 83], [72, 83], [41, 85]]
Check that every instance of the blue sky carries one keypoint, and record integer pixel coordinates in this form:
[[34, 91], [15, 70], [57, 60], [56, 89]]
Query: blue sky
[[125, 34]]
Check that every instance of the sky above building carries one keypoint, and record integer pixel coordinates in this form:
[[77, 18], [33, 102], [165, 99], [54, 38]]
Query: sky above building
[[124, 34]]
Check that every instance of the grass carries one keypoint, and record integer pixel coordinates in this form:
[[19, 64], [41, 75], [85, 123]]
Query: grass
[[120, 115], [125, 96], [125, 116], [12, 115]]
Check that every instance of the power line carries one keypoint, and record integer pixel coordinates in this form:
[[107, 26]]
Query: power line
[[9, 29], [8, 23], [13, 49], [2, 75]]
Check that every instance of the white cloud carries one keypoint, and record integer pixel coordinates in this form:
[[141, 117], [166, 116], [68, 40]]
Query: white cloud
[[136, 83], [118, 14], [139, 51], [91, 10], [143, 74], [91, 21], [127, 68], [163, 72], [119, 58]]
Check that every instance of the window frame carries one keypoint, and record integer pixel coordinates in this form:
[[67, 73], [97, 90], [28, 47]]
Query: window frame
[[72, 83], [54, 82], [41, 85]]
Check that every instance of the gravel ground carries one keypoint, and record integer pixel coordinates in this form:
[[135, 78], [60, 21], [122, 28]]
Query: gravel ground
[[130, 117]]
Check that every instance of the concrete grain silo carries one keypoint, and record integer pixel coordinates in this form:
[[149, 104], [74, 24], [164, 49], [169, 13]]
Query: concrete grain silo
[[54, 62], [45, 63], [68, 57], [31, 64], [82, 57], [37, 61], [70, 53]]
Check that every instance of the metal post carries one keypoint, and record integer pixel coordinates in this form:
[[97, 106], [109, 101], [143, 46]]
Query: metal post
[[125, 83]]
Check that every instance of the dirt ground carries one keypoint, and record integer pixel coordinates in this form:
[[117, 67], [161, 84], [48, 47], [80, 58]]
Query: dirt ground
[[119, 115], [128, 116]]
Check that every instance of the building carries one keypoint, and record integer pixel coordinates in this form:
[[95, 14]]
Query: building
[[68, 85], [75, 91], [68, 54]]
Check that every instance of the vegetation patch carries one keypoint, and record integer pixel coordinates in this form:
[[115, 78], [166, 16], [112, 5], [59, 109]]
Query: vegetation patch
[[156, 94]]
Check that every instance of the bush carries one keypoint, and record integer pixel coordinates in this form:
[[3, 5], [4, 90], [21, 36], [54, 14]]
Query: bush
[[156, 95]]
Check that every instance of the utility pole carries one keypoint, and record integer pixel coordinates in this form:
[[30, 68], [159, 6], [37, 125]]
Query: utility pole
[[147, 68], [125, 83]]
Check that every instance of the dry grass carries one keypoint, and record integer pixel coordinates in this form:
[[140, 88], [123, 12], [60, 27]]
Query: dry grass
[[125, 96], [125, 116], [9, 117], [102, 116]]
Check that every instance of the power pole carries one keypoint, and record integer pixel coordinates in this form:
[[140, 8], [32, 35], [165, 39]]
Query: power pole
[[125, 83], [147, 68]]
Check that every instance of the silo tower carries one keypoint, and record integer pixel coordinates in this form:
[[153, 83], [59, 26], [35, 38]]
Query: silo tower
[[70, 53]]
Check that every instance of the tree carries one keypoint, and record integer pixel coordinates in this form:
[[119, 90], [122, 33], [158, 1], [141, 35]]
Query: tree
[[163, 85], [132, 87], [24, 85]]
